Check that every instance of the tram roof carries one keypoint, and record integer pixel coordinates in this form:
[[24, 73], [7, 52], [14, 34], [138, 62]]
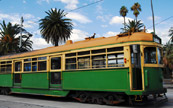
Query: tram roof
[[88, 42]]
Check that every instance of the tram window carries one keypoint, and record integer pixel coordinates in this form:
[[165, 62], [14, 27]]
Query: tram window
[[83, 62], [8, 68], [2, 62], [9, 61], [70, 54], [159, 55], [17, 78], [18, 66], [98, 51], [84, 53], [116, 60], [71, 63], [55, 77], [34, 59], [115, 49], [150, 55], [27, 66], [42, 65], [27, 60], [55, 63], [99, 61], [2, 68], [42, 58], [34, 66]]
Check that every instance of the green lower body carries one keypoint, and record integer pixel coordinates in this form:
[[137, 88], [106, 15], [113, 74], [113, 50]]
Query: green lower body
[[105, 80]]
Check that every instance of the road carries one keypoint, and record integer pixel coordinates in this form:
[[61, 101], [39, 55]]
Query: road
[[33, 101]]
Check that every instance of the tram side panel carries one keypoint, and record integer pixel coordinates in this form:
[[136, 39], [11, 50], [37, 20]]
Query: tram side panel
[[6, 80], [97, 80]]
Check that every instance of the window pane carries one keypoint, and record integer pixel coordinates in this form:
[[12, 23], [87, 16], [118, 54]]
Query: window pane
[[71, 60], [34, 66], [27, 59], [42, 65], [115, 49], [8, 68], [70, 66], [42, 58], [98, 51], [34, 59], [56, 63], [160, 58], [55, 77], [150, 55], [84, 53], [99, 61], [18, 66], [2, 68], [27, 66], [17, 78], [83, 62], [70, 54]]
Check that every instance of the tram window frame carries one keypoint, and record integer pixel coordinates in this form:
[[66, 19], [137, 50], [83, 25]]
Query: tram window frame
[[91, 54], [21, 64], [159, 55], [148, 53], [39, 64], [4, 67], [59, 65]]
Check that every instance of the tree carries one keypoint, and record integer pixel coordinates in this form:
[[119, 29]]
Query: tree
[[123, 13], [136, 8], [134, 26], [9, 40], [171, 34], [54, 27]]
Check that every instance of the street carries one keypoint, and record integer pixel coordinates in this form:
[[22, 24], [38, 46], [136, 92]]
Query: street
[[33, 101]]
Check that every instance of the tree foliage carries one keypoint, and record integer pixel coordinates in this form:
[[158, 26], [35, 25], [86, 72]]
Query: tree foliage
[[55, 27], [123, 13], [136, 8], [9, 39], [133, 26]]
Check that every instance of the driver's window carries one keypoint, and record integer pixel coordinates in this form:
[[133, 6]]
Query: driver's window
[[150, 55]]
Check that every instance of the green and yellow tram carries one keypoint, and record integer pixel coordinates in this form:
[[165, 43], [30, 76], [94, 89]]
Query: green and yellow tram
[[101, 70]]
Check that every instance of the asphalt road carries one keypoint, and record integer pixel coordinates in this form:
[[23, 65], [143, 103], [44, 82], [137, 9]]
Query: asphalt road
[[33, 101]]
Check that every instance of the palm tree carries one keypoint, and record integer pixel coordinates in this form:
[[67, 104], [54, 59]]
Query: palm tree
[[123, 13], [136, 8], [9, 42], [171, 34], [134, 26], [54, 27]]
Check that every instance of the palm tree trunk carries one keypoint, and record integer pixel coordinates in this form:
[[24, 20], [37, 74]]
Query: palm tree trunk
[[124, 25], [153, 17]]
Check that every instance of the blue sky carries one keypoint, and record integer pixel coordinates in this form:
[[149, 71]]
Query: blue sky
[[102, 18]]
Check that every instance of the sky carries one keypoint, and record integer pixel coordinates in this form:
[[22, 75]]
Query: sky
[[102, 18]]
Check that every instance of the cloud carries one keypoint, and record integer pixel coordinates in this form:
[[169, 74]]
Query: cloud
[[70, 4], [162, 33], [78, 35], [40, 1], [29, 19], [78, 17], [24, 1], [155, 17], [104, 26], [118, 20], [110, 33]]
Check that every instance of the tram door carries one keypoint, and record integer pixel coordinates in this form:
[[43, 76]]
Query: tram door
[[136, 67], [55, 71], [17, 75]]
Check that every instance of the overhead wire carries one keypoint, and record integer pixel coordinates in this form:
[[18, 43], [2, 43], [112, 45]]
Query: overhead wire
[[161, 21]]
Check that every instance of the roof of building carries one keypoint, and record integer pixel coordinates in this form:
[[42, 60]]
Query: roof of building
[[88, 42]]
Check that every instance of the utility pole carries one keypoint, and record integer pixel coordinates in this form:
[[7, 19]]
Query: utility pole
[[20, 43], [153, 17]]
